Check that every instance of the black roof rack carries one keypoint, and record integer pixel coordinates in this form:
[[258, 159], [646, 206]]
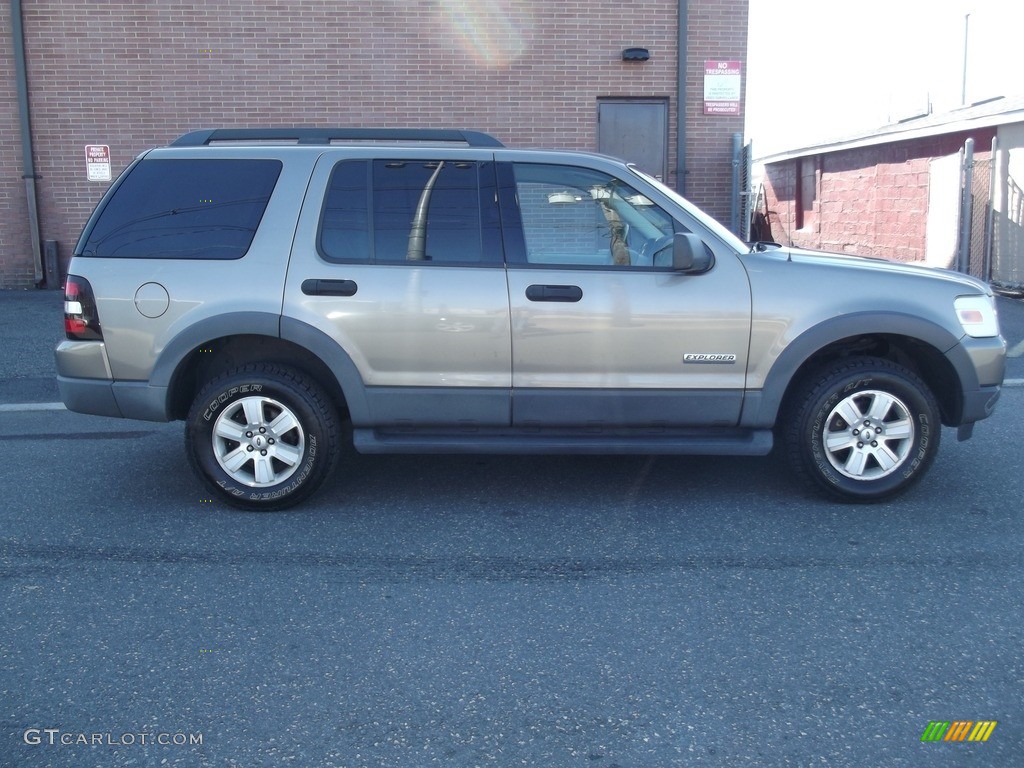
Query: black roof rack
[[329, 135]]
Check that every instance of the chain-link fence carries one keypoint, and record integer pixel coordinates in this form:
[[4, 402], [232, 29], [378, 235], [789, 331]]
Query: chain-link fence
[[980, 210], [742, 185], [991, 219]]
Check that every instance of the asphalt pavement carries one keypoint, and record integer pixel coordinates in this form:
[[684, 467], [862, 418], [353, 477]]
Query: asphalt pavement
[[31, 325], [552, 612]]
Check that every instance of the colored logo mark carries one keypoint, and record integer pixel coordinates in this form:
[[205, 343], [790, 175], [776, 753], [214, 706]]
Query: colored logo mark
[[959, 730]]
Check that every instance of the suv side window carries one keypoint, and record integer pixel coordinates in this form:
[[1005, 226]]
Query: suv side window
[[580, 217], [401, 211], [184, 209], [345, 220]]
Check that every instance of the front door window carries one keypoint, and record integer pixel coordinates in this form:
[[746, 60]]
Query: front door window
[[580, 217]]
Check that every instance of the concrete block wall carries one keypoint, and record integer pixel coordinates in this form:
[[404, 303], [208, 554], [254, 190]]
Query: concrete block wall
[[871, 201]]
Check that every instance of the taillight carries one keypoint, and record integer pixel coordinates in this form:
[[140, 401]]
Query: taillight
[[81, 321]]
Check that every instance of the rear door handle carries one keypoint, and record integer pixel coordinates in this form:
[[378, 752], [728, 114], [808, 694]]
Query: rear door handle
[[329, 287], [569, 293]]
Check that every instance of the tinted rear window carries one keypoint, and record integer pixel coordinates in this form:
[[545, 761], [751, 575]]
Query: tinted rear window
[[411, 211], [184, 209]]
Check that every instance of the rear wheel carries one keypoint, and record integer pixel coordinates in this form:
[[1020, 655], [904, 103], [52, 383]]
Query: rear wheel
[[262, 437], [863, 429]]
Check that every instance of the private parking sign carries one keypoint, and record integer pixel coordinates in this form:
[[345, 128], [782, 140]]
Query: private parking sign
[[97, 162]]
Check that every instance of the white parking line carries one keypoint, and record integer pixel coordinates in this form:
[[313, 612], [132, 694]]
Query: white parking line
[[1016, 351], [20, 407]]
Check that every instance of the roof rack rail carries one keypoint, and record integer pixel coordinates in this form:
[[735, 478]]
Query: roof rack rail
[[329, 135]]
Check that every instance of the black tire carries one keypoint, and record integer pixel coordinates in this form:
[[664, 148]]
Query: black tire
[[891, 442], [270, 469]]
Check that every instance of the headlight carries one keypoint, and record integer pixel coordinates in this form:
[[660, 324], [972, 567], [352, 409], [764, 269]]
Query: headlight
[[977, 315]]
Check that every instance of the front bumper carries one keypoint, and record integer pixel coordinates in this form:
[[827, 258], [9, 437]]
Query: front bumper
[[979, 403], [981, 366]]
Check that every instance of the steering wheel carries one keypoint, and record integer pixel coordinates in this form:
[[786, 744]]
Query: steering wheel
[[653, 247]]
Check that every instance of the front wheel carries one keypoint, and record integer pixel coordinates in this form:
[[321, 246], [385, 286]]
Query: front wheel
[[862, 430], [262, 437]]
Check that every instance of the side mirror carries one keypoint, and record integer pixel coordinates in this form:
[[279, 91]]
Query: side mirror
[[690, 254]]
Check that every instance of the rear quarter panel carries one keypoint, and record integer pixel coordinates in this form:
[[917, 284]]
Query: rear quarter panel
[[198, 289]]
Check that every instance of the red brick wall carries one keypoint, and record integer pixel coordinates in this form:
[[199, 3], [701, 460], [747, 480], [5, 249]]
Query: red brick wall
[[135, 75], [872, 201]]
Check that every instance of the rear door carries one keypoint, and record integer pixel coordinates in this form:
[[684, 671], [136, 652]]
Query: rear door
[[402, 266]]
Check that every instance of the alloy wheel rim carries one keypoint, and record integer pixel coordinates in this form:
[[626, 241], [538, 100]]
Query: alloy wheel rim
[[258, 441], [868, 435]]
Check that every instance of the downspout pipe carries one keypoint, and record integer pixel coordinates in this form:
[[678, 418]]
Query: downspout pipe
[[737, 192], [681, 98], [29, 173]]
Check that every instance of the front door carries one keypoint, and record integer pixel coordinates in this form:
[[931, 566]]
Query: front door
[[604, 332]]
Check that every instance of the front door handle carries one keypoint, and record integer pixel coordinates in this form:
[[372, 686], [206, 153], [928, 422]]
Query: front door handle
[[329, 287], [569, 293]]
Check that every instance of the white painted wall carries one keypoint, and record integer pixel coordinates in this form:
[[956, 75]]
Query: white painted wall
[[1008, 207], [941, 231]]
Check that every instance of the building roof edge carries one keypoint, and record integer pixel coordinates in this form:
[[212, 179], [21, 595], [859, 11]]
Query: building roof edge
[[956, 121]]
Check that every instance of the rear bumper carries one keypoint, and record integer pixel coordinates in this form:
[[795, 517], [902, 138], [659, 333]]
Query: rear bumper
[[121, 399], [86, 385], [95, 396]]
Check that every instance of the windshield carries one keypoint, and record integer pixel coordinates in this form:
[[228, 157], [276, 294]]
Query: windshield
[[707, 221]]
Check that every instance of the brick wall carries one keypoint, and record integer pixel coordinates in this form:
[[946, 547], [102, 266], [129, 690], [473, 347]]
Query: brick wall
[[717, 30], [872, 200], [135, 75]]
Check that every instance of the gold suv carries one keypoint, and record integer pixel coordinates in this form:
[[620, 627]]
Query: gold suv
[[441, 292]]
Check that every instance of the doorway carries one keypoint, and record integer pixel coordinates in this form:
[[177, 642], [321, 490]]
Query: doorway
[[635, 130]]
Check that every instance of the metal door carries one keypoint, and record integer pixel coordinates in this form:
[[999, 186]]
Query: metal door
[[635, 130]]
